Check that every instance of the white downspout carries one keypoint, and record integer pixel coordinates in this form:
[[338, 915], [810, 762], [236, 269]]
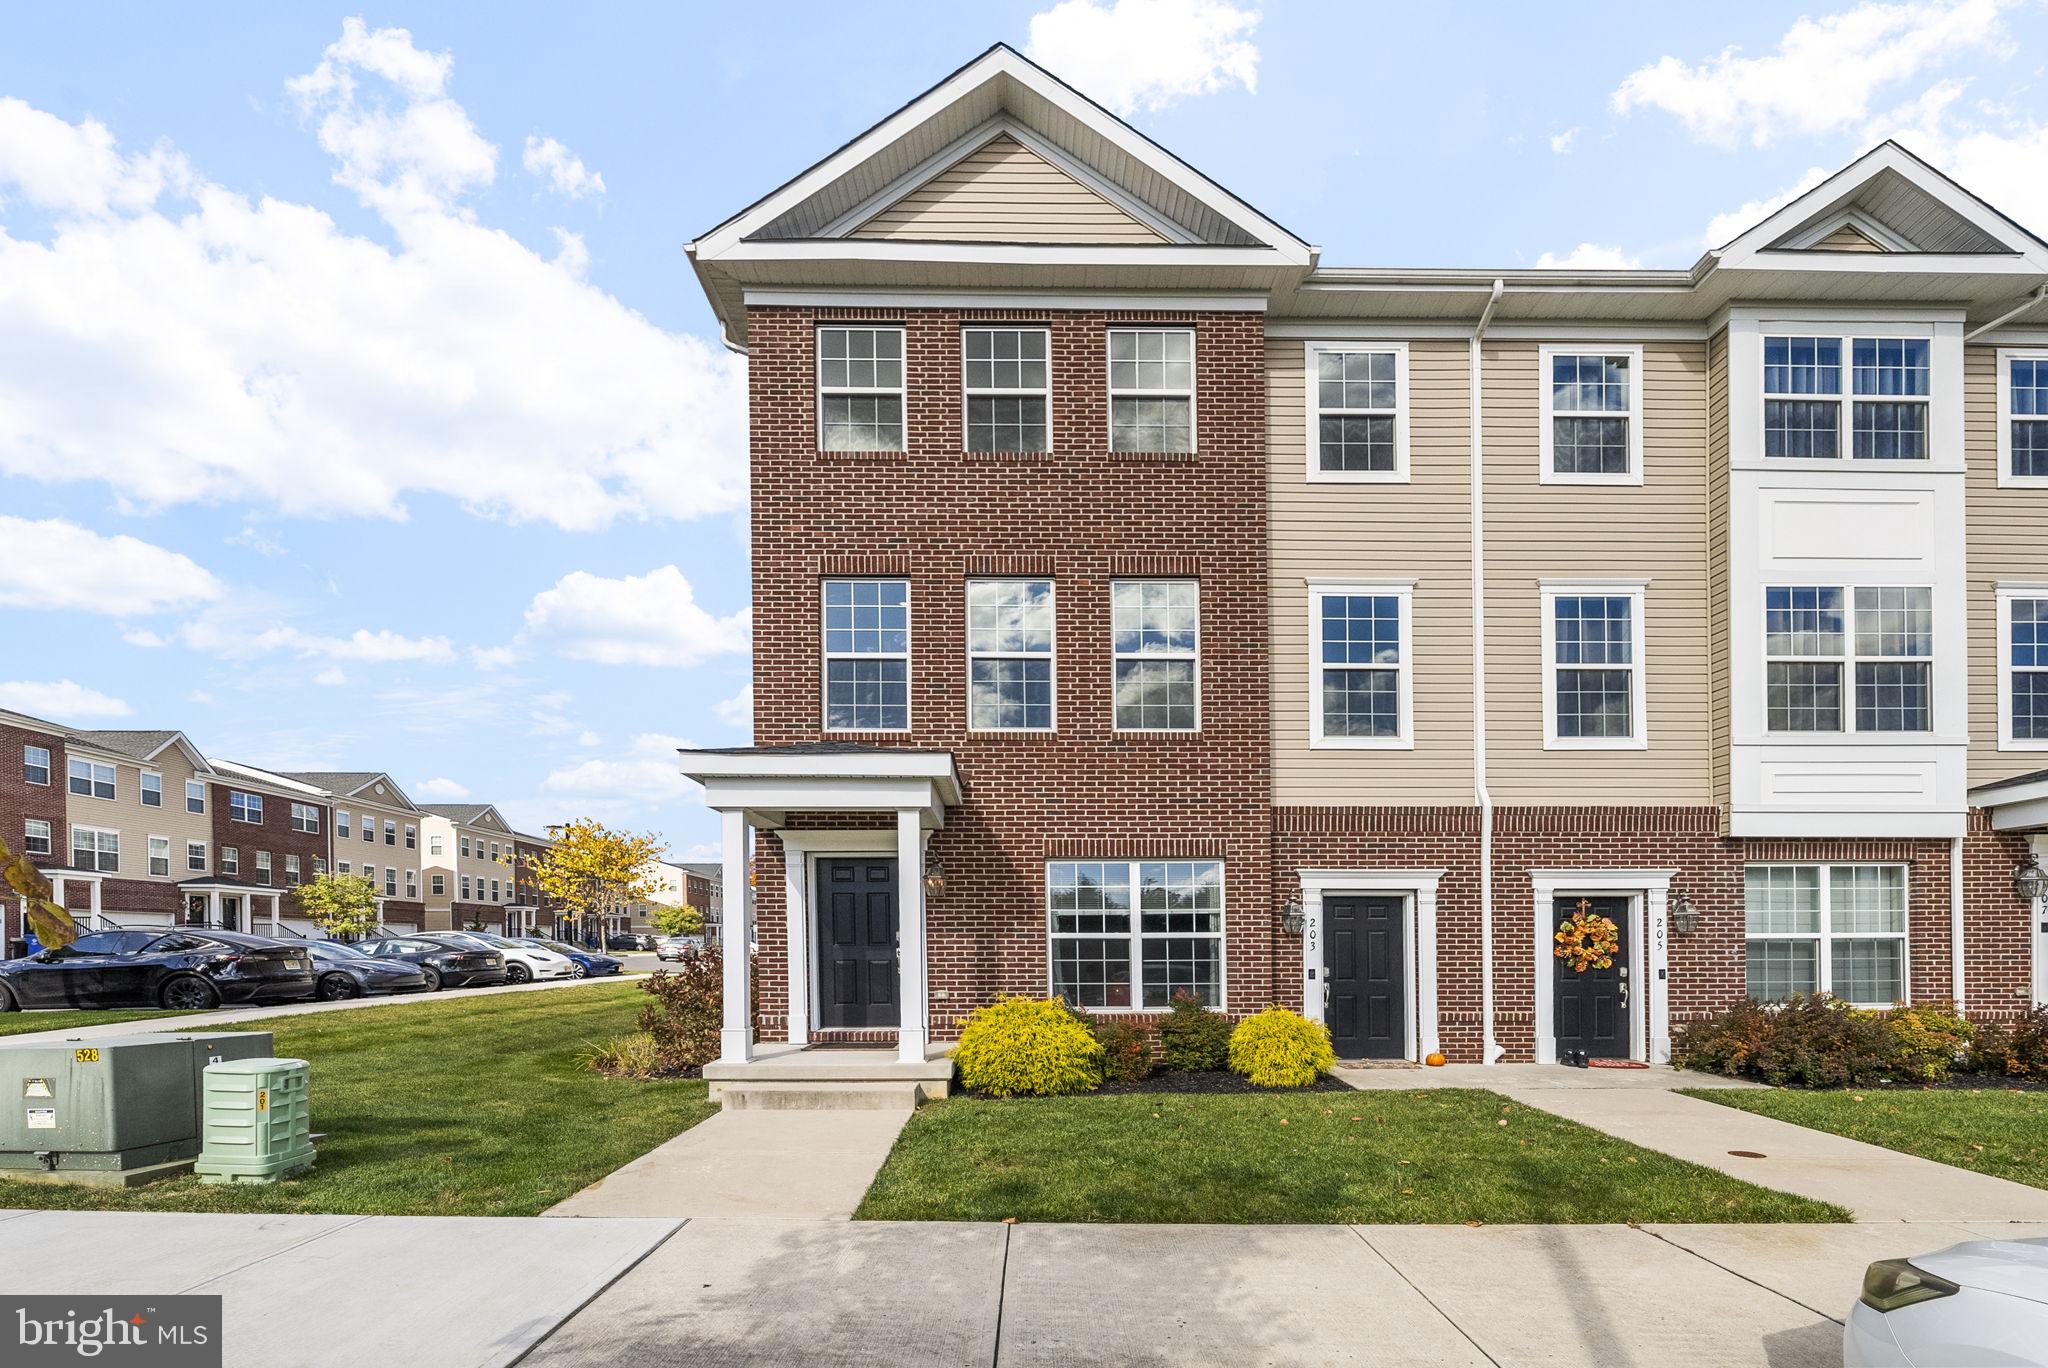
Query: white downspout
[[2036, 297], [1490, 1049], [1955, 923]]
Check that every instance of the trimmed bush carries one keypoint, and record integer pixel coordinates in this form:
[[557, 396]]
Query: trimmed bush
[[1928, 1041], [2012, 1049], [1804, 1042], [685, 1012], [1126, 1052], [1192, 1038], [1027, 1047], [1277, 1048]]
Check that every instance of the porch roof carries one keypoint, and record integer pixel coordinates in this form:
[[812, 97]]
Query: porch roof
[[769, 782], [2019, 803]]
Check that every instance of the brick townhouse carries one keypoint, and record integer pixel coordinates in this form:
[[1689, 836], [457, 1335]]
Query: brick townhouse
[[1144, 606]]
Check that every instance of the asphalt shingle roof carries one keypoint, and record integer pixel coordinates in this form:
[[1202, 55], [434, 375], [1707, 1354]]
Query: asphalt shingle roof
[[137, 745]]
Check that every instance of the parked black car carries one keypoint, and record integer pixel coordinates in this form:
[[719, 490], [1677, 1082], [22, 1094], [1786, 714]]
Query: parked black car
[[186, 968], [345, 972], [446, 963], [620, 940]]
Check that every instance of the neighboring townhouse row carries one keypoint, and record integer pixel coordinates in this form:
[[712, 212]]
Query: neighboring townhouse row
[[1145, 607], [139, 828], [677, 885]]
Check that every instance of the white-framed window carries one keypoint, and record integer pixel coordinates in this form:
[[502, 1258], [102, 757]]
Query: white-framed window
[[1361, 690], [96, 849], [35, 836], [263, 867], [1156, 654], [1819, 928], [494, 852], [867, 654], [90, 779], [1152, 389], [160, 857], [341, 824], [341, 866], [319, 867], [195, 797], [412, 836], [433, 845], [2023, 666], [465, 888], [35, 765], [1592, 403], [230, 861], [1886, 384], [465, 847], [152, 789], [1594, 694], [291, 871], [860, 387], [494, 890], [2022, 417], [1006, 382], [390, 881], [305, 818], [390, 832], [1010, 626], [1134, 933], [1357, 411], [369, 829], [412, 883], [195, 857], [439, 884], [1848, 658], [245, 807]]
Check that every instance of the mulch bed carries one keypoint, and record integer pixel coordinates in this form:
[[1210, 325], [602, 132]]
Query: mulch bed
[[1215, 1081]]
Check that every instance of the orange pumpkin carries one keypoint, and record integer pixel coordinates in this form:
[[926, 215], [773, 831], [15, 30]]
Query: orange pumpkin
[[1435, 1059]]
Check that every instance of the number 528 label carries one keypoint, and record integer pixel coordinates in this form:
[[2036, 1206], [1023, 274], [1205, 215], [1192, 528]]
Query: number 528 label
[[87, 1056]]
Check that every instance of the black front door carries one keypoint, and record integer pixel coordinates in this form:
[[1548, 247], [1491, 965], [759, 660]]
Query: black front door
[[1591, 1008], [1366, 990], [856, 942]]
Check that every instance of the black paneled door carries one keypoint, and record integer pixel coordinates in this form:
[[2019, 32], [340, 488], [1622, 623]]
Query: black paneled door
[[1591, 1008], [1364, 963], [856, 942]]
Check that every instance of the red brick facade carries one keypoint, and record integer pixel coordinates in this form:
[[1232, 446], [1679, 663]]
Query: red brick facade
[[21, 800], [273, 834]]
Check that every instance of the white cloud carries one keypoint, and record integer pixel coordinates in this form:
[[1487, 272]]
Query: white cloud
[[184, 342], [1994, 152], [257, 540], [1561, 143], [61, 699], [333, 677], [1589, 256], [60, 565], [238, 633], [649, 772], [562, 169], [737, 711], [1146, 54], [439, 790], [651, 619], [490, 658], [146, 639], [1725, 228], [1823, 76]]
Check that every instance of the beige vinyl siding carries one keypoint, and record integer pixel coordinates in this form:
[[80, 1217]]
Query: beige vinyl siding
[[1421, 530], [127, 815], [2002, 542], [1656, 530], [1718, 664], [1005, 192], [1847, 238]]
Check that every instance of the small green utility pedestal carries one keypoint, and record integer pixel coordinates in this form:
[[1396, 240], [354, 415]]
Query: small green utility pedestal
[[256, 1121]]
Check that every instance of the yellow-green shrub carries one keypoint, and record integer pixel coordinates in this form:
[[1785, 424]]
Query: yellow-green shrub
[[1026, 1046], [1926, 1040], [1277, 1048]]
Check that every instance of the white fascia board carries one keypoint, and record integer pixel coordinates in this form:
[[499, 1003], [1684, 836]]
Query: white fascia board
[[1893, 263], [2007, 794], [1005, 253], [228, 769], [1794, 822], [1002, 299], [881, 763], [2028, 816]]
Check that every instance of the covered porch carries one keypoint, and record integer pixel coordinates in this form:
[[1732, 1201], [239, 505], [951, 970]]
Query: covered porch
[[854, 954], [2018, 812], [230, 905]]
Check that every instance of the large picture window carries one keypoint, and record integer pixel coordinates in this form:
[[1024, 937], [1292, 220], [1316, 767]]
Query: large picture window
[[860, 389], [1010, 655], [1152, 389], [1594, 693], [1886, 387], [1155, 627], [867, 654], [1880, 638], [1357, 429], [1007, 376], [1134, 934], [1838, 929], [1360, 682]]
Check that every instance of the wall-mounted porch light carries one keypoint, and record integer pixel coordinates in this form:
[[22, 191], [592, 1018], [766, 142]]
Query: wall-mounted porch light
[[1292, 919], [1685, 918], [2030, 881], [934, 876]]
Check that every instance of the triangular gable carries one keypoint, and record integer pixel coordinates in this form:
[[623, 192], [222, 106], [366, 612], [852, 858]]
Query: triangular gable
[[1004, 191], [1848, 238]]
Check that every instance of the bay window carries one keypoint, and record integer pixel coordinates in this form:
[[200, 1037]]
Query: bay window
[[1887, 393]]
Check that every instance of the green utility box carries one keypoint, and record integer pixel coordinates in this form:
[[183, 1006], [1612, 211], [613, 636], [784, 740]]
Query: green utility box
[[259, 1121], [114, 1111]]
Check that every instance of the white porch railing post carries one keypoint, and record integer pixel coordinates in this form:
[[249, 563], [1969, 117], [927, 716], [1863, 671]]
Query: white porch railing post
[[736, 1038], [910, 937], [95, 886]]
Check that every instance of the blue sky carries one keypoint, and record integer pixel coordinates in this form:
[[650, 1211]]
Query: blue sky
[[358, 407]]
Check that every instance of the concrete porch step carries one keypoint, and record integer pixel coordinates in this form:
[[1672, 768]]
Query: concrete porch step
[[820, 1095]]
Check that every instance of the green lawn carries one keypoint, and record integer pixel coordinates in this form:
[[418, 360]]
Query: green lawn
[[1995, 1131], [444, 1107], [20, 1023], [1436, 1155]]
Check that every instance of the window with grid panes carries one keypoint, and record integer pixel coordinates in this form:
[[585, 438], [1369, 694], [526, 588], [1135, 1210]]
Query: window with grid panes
[[860, 388], [867, 654], [1010, 654], [1155, 924], [1838, 929], [1007, 376], [1152, 389], [1156, 654]]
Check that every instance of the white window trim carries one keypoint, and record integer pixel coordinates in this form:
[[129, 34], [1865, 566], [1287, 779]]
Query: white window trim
[[1546, 472], [1845, 398], [1824, 970], [1312, 434], [1639, 667], [231, 862], [149, 857], [93, 768], [1418, 890], [1050, 656], [49, 836], [71, 851], [1403, 590], [1114, 656], [200, 847], [1111, 393], [1137, 937], [968, 392], [901, 391], [190, 798], [826, 657], [49, 766], [142, 789], [245, 795], [2006, 479], [292, 870], [1848, 660], [343, 829], [259, 867], [2007, 591]]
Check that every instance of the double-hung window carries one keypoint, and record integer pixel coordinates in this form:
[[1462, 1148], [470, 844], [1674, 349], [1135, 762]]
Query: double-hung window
[[305, 818], [1156, 655], [465, 888], [160, 857], [230, 861], [1010, 655], [2022, 417], [89, 779], [1889, 379], [867, 654], [195, 797], [390, 832], [1594, 694], [341, 826], [1359, 685], [2023, 666], [1155, 924], [1152, 389], [439, 884], [35, 836], [245, 807], [1357, 426], [369, 826], [195, 857], [1838, 929], [319, 866], [412, 836], [35, 765], [860, 388], [263, 867], [1592, 429], [1007, 376], [433, 845], [412, 883], [390, 881], [291, 870], [96, 849], [1880, 637], [1887, 392], [152, 789]]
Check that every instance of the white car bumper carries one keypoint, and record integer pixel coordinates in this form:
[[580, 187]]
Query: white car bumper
[[1867, 1341]]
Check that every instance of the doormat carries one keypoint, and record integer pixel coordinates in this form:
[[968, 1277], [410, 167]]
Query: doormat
[[1616, 1064]]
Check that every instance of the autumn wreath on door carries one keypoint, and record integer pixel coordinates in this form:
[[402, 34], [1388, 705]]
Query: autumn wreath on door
[[1587, 940]]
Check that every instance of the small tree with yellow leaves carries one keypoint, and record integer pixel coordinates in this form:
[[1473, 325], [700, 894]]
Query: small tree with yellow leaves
[[52, 925], [684, 920], [595, 873]]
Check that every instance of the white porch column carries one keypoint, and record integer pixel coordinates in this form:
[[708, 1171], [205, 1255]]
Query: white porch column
[[95, 887], [1425, 976], [796, 939], [736, 1038], [910, 966], [275, 899], [213, 907], [56, 896], [1659, 899]]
